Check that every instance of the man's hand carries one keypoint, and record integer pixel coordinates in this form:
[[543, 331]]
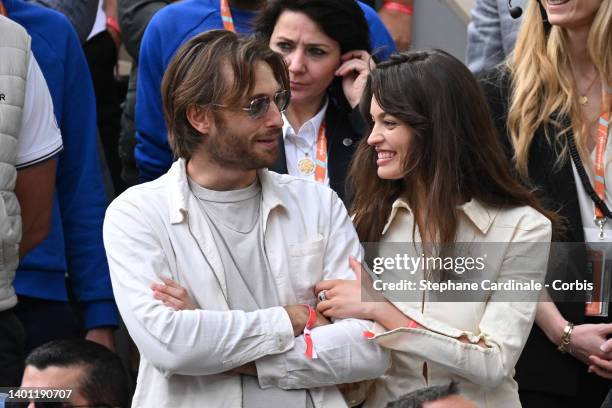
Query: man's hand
[[298, 314], [103, 336]]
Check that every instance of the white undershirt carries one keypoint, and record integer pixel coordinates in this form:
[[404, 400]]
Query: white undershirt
[[296, 146], [39, 137]]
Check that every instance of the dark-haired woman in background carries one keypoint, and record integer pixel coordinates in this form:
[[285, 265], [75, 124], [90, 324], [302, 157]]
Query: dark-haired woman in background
[[326, 45], [433, 172]]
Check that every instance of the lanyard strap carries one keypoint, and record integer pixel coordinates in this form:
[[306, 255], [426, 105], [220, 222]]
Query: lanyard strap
[[226, 16], [601, 210], [603, 126], [321, 155]]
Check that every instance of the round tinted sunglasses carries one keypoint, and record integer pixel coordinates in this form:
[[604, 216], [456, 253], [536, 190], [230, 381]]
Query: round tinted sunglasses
[[259, 106]]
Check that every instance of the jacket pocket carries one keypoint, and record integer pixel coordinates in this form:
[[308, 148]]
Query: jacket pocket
[[306, 267]]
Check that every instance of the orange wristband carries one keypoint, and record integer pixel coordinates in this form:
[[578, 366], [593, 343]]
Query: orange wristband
[[399, 7], [112, 23], [312, 318]]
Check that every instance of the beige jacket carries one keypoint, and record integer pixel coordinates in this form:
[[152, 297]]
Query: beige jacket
[[485, 374]]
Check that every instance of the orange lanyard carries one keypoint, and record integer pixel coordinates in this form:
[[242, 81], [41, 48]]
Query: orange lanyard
[[3, 9], [226, 16], [321, 158], [603, 126]]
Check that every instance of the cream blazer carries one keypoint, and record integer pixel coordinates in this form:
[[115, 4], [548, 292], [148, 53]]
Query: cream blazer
[[485, 375]]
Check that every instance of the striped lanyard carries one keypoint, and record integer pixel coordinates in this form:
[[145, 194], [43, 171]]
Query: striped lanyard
[[226, 16], [321, 155], [2, 9], [603, 127]]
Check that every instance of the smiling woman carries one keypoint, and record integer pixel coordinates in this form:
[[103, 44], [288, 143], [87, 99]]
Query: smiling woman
[[430, 172]]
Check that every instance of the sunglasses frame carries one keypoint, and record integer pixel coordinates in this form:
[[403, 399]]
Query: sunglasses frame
[[266, 101]]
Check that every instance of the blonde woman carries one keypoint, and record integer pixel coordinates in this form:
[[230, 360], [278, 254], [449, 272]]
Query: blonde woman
[[551, 99]]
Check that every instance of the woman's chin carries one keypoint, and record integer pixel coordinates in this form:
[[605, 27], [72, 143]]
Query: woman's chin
[[388, 174]]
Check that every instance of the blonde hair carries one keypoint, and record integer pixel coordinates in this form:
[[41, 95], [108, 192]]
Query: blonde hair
[[544, 91]]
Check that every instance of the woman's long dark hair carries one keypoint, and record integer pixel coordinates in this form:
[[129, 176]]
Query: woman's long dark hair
[[454, 155], [340, 20]]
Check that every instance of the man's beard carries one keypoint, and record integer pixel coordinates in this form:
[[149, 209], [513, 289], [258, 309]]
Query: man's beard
[[238, 151]]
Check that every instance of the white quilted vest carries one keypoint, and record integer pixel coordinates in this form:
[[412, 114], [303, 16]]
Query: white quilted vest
[[14, 56]]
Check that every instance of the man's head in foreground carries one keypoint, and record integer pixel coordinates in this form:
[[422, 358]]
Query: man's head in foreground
[[445, 396], [93, 372]]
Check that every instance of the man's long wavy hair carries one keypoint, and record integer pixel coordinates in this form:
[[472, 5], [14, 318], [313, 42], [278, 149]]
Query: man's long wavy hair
[[454, 151], [544, 91]]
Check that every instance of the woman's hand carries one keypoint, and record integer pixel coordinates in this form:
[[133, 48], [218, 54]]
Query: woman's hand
[[354, 69], [587, 340], [173, 295], [343, 298], [601, 367]]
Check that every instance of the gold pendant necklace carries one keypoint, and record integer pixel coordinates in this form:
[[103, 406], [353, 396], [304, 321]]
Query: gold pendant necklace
[[583, 99]]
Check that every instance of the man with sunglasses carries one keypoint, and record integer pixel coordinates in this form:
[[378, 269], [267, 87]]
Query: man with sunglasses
[[167, 31], [247, 244]]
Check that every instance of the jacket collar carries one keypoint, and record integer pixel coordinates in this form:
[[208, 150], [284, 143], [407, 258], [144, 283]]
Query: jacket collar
[[179, 193], [481, 216]]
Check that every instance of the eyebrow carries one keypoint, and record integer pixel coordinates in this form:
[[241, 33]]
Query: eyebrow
[[309, 44], [259, 95]]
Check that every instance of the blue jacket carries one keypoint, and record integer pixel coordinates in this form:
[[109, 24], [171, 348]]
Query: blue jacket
[[74, 244], [167, 31]]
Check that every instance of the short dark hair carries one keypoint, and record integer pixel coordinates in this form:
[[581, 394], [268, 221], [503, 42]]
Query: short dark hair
[[196, 77], [105, 381], [341, 20], [417, 398]]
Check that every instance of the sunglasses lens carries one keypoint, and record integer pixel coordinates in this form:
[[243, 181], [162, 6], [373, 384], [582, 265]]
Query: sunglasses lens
[[281, 99], [259, 107]]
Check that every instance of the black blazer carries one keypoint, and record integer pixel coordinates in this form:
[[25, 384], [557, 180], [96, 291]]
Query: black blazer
[[344, 130], [541, 366]]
